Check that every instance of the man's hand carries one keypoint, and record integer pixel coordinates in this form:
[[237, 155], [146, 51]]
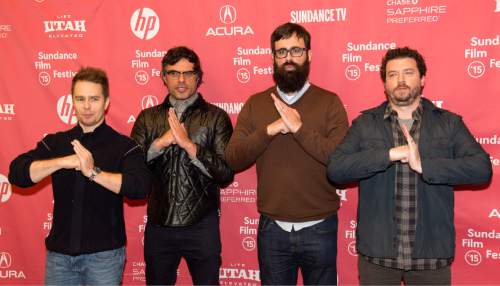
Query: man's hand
[[85, 158], [399, 153], [276, 127], [413, 154], [290, 116], [69, 162], [180, 134], [165, 140]]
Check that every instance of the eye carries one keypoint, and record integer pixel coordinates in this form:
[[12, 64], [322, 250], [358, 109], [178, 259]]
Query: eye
[[281, 52], [173, 73], [189, 73]]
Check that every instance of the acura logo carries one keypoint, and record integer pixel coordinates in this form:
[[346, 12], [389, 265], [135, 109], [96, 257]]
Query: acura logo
[[149, 101], [227, 14], [5, 260]]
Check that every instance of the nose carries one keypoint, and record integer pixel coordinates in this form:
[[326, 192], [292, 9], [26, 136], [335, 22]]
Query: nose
[[181, 77], [86, 104], [401, 78]]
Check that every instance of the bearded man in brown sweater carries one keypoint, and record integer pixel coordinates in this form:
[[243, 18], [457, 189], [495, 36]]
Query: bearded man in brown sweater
[[289, 130]]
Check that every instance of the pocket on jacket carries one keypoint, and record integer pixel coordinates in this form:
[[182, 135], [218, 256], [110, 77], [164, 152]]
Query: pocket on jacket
[[440, 148], [200, 135]]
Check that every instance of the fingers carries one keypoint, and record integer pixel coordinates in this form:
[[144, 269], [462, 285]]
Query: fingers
[[408, 137], [280, 106]]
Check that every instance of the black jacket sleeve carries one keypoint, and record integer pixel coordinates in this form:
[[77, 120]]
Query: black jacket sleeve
[[136, 177], [19, 170], [357, 157], [213, 159]]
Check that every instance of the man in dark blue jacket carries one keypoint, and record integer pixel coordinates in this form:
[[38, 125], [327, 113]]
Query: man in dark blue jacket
[[407, 155]]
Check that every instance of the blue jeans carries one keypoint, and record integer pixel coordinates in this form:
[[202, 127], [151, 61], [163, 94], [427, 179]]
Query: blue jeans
[[313, 250], [100, 268]]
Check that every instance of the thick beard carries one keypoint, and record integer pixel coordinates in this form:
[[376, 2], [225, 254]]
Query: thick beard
[[413, 95], [291, 81]]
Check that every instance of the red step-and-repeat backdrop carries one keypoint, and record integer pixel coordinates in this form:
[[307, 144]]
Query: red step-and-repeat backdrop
[[44, 42]]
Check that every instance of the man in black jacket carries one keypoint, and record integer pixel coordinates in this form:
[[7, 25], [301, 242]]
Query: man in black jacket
[[184, 139], [92, 167], [407, 155]]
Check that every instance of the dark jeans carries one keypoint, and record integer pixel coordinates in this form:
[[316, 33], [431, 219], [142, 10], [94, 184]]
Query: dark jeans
[[373, 274], [313, 250], [199, 244]]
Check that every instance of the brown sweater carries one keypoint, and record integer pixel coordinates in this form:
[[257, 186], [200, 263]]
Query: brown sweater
[[291, 169]]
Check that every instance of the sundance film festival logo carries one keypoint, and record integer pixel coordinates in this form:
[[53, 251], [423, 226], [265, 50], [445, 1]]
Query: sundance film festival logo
[[227, 16], [145, 23], [44, 78], [473, 257], [141, 77], [351, 248], [5, 189], [149, 101], [248, 243], [65, 109], [497, 9]]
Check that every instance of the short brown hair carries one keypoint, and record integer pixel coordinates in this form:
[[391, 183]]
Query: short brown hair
[[94, 75]]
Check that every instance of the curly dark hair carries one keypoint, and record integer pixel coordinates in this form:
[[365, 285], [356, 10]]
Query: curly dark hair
[[176, 54], [405, 52]]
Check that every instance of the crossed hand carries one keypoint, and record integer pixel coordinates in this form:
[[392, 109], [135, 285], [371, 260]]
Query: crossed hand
[[407, 153], [289, 120], [82, 160]]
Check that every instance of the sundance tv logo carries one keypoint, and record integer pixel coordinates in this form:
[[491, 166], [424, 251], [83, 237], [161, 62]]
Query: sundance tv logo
[[145, 23], [5, 189], [66, 110], [227, 16]]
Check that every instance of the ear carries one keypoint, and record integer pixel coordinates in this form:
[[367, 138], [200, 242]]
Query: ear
[[106, 103], [422, 81], [309, 55]]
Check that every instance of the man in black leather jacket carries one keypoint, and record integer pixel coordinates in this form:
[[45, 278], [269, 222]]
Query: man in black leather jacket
[[184, 139]]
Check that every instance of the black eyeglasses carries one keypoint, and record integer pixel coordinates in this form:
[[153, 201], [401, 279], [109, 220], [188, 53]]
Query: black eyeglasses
[[185, 74], [294, 52]]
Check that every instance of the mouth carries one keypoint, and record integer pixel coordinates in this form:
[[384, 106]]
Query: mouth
[[181, 89]]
